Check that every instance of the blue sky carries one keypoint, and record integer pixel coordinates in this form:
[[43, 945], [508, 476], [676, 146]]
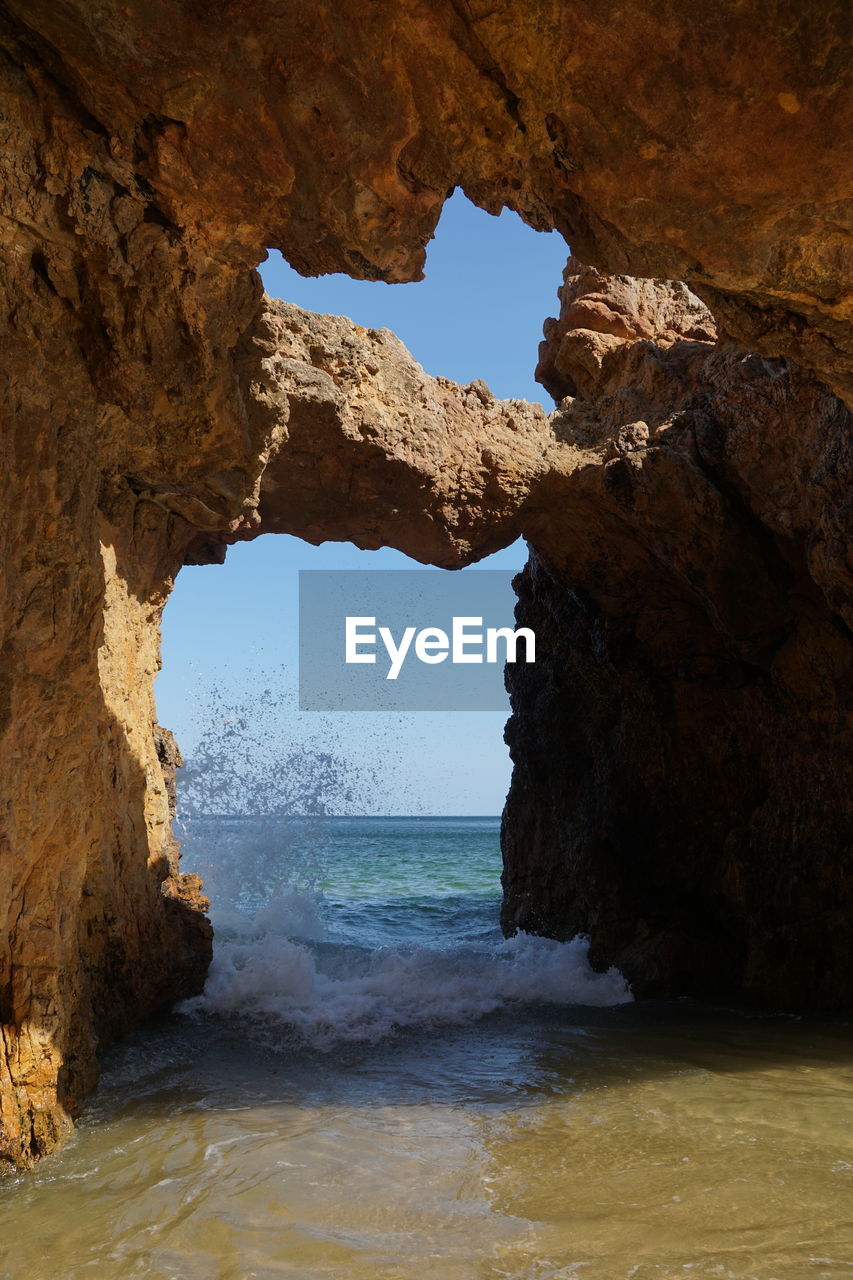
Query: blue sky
[[229, 632]]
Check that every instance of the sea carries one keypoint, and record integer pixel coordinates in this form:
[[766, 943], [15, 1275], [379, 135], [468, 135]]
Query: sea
[[376, 1085]]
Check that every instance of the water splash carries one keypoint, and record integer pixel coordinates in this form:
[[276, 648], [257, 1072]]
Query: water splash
[[284, 976], [254, 755]]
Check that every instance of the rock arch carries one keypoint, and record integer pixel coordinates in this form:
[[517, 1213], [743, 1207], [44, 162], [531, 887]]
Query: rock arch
[[686, 502]]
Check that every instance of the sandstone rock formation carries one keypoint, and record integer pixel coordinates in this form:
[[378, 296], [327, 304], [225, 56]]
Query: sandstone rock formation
[[370, 449], [682, 754], [691, 141], [152, 152]]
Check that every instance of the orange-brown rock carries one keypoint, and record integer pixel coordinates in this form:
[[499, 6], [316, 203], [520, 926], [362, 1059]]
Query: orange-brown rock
[[370, 449], [698, 142], [151, 153], [585, 347]]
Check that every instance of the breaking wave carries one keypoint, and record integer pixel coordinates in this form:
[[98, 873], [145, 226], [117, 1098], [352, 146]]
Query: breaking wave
[[282, 970]]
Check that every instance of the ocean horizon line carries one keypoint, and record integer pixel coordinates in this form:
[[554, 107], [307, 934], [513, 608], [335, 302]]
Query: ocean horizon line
[[424, 817]]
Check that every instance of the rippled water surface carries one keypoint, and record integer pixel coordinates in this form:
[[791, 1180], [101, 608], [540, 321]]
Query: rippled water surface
[[375, 1085]]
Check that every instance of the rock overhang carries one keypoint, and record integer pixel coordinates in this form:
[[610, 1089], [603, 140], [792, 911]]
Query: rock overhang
[[688, 508]]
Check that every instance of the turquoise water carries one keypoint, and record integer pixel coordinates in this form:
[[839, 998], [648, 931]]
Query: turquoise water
[[376, 1086], [342, 929], [379, 879]]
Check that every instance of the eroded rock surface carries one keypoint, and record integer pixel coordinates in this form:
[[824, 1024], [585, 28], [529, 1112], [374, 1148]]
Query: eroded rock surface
[[682, 752], [704, 143], [152, 152], [370, 449]]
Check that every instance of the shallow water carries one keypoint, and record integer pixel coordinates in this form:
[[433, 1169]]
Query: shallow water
[[373, 1086]]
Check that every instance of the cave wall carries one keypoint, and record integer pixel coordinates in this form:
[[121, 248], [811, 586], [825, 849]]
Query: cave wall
[[681, 789], [152, 151], [110, 372]]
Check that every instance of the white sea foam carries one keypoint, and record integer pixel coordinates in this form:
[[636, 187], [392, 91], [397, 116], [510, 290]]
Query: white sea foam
[[329, 993]]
